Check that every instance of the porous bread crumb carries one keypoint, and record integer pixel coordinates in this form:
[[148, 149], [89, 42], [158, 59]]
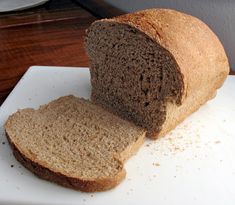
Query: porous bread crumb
[[82, 142]]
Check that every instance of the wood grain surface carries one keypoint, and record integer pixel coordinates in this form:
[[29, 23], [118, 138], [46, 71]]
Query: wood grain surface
[[40, 38]]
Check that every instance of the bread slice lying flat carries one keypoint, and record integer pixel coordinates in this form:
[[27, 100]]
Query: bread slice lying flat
[[154, 67], [74, 143]]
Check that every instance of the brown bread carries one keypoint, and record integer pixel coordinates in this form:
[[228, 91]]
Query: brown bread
[[154, 67], [74, 143]]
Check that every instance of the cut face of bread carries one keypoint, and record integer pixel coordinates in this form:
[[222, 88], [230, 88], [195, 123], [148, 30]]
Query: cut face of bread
[[74, 143], [132, 73], [154, 67]]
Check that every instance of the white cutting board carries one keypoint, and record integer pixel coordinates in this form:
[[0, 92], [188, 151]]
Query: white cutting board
[[194, 164]]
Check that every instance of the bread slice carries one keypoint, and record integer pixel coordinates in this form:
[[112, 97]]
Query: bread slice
[[74, 143], [154, 67]]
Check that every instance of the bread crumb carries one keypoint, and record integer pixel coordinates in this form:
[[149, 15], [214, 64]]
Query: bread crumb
[[3, 143], [217, 142], [12, 165], [92, 195], [156, 164]]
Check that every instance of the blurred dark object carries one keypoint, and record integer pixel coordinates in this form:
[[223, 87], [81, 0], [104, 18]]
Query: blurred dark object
[[100, 8]]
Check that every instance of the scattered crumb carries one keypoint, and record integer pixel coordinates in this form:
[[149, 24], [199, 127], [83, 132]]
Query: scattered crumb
[[217, 142], [178, 166], [21, 173], [29, 99], [3, 143], [18, 188], [84, 199], [147, 145], [12, 165], [174, 176], [156, 164], [170, 139], [92, 195], [177, 148], [19, 166], [129, 179], [154, 175]]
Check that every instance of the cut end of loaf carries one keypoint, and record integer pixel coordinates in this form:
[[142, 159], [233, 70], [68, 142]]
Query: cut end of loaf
[[74, 143], [154, 67], [132, 75]]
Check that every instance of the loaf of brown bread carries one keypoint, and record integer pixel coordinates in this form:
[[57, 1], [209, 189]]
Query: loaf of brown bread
[[74, 143], [154, 67]]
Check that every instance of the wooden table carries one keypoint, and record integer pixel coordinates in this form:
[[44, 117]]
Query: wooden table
[[51, 34], [41, 36]]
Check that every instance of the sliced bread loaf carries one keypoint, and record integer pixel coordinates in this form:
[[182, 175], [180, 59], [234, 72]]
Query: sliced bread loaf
[[74, 143], [154, 67]]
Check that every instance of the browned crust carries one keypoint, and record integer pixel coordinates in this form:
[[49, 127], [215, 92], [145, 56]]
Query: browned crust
[[180, 119], [66, 181]]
